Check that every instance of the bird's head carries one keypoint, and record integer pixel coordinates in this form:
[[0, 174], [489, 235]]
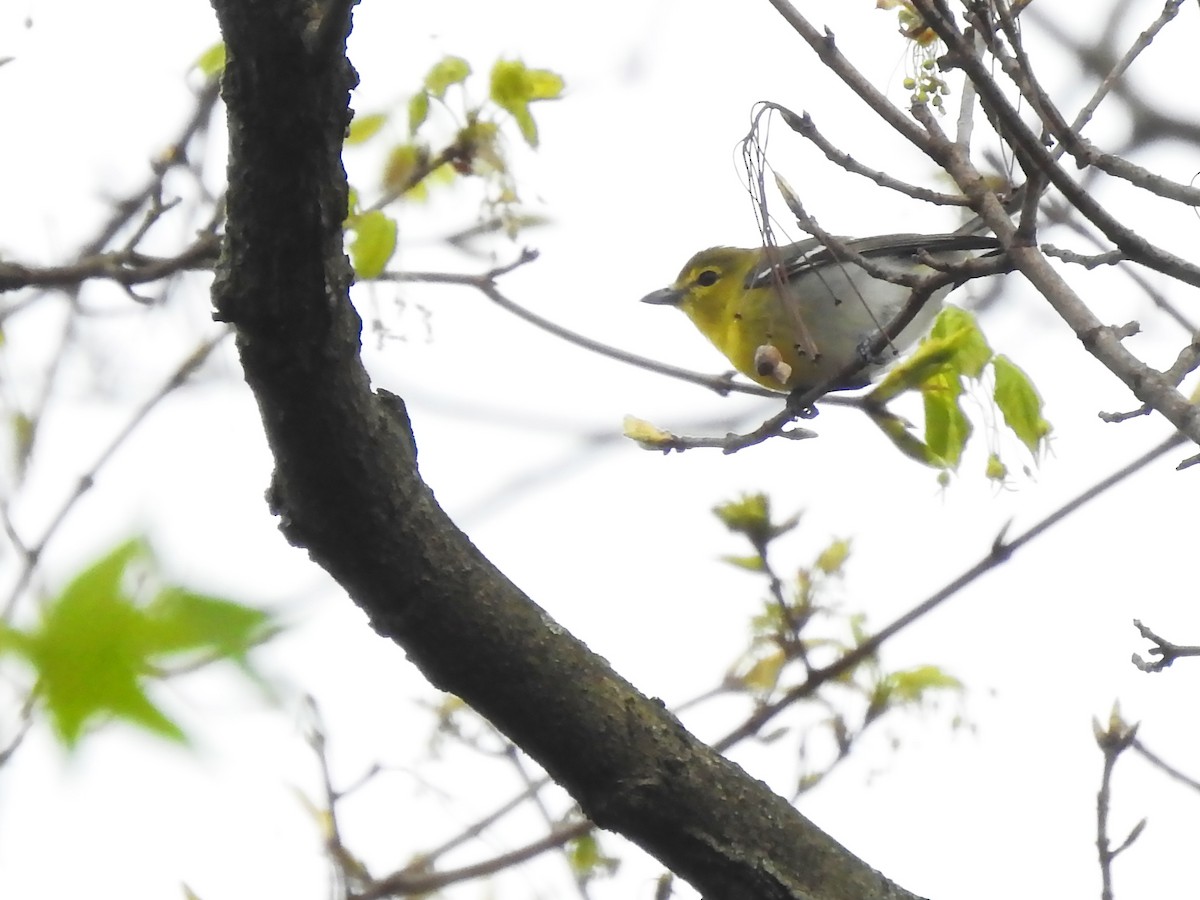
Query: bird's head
[[711, 281]]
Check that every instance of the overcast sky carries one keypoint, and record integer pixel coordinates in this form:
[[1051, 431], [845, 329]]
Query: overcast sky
[[517, 435]]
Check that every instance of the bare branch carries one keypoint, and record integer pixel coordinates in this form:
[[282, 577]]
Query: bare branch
[[413, 881], [1165, 767], [804, 126], [1000, 552], [126, 267], [1166, 651], [34, 551], [1112, 740], [1035, 156], [1100, 340], [485, 284]]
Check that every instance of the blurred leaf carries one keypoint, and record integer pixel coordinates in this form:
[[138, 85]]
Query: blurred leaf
[[418, 111], [1020, 404], [23, 433], [763, 674], [91, 652], [897, 431], [187, 621], [995, 469], [749, 563], [445, 72], [514, 87], [911, 685], [211, 62], [443, 174], [373, 244], [584, 854], [404, 166], [12, 639], [833, 557], [647, 434], [363, 128], [97, 646], [480, 142], [749, 515], [858, 628], [808, 781], [587, 859]]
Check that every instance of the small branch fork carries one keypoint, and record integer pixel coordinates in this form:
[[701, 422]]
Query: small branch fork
[[1165, 651]]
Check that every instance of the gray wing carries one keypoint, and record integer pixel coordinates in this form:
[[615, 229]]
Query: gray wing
[[811, 254]]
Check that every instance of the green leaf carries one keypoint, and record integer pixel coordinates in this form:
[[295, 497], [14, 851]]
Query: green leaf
[[363, 128], [897, 431], [98, 644], [932, 357], [447, 71], [911, 685], [23, 434], [763, 675], [373, 244], [1020, 404], [808, 781], [90, 652], [587, 859], [833, 557], [12, 640], [749, 563], [418, 111], [947, 428], [751, 516], [187, 621], [959, 328], [584, 853], [995, 470], [211, 62], [405, 168], [514, 87], [649, 435], [858, 628]]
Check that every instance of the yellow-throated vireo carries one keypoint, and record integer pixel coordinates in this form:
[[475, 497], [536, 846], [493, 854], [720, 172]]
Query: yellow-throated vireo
[[796, 316]]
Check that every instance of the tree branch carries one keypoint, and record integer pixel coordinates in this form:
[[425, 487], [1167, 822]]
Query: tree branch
[[346, 488]]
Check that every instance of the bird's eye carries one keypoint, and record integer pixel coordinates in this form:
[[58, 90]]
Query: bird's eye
[[707, 278]]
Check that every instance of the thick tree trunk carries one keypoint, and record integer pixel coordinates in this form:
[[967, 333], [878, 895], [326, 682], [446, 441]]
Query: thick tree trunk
[[346, 488]]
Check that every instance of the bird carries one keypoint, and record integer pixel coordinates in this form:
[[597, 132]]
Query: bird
[[798, 318]]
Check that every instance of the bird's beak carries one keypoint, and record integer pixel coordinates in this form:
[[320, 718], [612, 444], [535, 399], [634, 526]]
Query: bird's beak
[[668, 296]]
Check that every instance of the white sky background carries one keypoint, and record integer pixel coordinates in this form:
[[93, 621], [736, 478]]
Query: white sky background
[[638, 169]]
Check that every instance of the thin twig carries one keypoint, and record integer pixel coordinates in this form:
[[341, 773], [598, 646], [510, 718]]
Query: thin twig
[[182, 372], [176, 154], [485, 283], [999, 554], [1166, 651], [803, 125], [1112, 741], [1166, 768], [408, 883]]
